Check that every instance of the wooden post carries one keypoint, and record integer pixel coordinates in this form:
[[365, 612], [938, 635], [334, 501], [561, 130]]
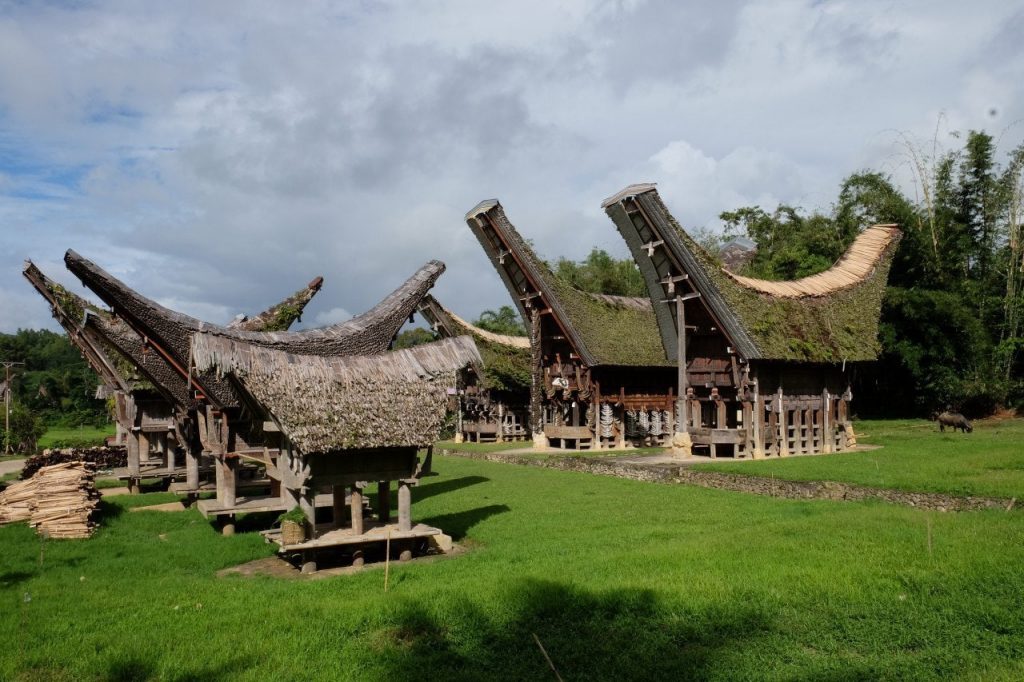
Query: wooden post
[[192, 468], [338, 506], [384, 501], [133, 454], [356, 504], [757, 422], [681, 377], [500, 436], [783, 424], [536, 415], [168, 446], [226, 481], [404, 506], [307, 503], [143, 446]]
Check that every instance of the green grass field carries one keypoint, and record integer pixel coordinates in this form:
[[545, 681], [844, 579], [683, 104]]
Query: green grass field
[[82, 436], [618, 580], [914, 456]]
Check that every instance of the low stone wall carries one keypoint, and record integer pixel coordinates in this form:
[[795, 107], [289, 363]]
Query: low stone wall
[[758, 485]]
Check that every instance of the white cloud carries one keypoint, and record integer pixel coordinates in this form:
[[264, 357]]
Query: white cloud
[[220, 164]]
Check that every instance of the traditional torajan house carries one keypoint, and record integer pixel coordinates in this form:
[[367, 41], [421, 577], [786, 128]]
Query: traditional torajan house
[[343, 422], [494, 405], [599, 374], [151, 400], [218, 408], [766, 362]]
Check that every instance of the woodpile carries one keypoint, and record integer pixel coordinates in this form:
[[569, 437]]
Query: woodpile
[[57, 501], [101, 457]]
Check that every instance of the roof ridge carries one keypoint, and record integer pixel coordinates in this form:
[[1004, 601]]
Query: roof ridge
[[852, 268]]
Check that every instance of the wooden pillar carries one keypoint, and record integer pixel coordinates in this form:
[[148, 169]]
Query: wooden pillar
[[338, 500], [227, 482], [356, 504], [192, 468], [404, 506], [757, 423], [798, 430], [143, 446], [307, 503], [384, 501], [783, 431], [308, 562], [536, 415], [168, 447], [500, 436], [133, 454], [681, 377]]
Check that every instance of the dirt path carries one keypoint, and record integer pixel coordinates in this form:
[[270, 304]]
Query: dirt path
[[11, 466], [663, 470]]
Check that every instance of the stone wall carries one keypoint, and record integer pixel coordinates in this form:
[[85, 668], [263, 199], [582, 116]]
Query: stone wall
[[758, 485]]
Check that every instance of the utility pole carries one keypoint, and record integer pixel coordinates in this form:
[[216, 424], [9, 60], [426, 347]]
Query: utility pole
[[7, 403]]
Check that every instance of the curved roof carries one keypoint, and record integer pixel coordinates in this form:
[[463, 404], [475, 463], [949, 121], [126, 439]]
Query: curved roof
[[828, 317], [603, 329], [329, 404], [436, 313], [170, 331], [855, 266]]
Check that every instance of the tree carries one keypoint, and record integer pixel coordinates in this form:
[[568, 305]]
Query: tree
[[414, 337], [503, 321], [26, 429], [599, 273]]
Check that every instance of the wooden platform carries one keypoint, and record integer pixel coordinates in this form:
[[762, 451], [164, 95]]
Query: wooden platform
[[248, 505], [329, 536], [182, 488]]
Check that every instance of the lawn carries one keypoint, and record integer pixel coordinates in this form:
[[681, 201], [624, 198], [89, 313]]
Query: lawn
[[914, 456], [81, 436], [526, 447], [617, 579]]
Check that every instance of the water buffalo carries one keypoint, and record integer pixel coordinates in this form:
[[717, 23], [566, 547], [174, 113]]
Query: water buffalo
[[955, 420]]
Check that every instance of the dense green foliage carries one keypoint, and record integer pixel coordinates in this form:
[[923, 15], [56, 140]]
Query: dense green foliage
[[414, 337], [55, 382], [952, 328], [617, 579], [504, 320], [916, 456], [24, 432], [599, 273]]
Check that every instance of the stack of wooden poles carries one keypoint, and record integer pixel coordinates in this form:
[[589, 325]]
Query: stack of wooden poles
[[57, 501]]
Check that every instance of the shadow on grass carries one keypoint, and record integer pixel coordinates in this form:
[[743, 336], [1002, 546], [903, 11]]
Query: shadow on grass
[[446, 486], [458, 524], [105, 511], [15, 577], [616, 634], [134, 669]]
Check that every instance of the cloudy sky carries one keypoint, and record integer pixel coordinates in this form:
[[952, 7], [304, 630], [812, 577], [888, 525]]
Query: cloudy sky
[[217, 155]]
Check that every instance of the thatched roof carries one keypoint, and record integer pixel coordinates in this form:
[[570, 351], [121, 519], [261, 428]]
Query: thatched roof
[[828, 317], [69, 310], [170, 332], [280, 317], [119, 355], [604, 330], [327, 404], [447, 323], [506, 359]]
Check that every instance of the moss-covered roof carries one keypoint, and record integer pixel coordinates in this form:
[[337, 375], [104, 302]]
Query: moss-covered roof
[[506, 359], [839, 325], [605, 330]]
